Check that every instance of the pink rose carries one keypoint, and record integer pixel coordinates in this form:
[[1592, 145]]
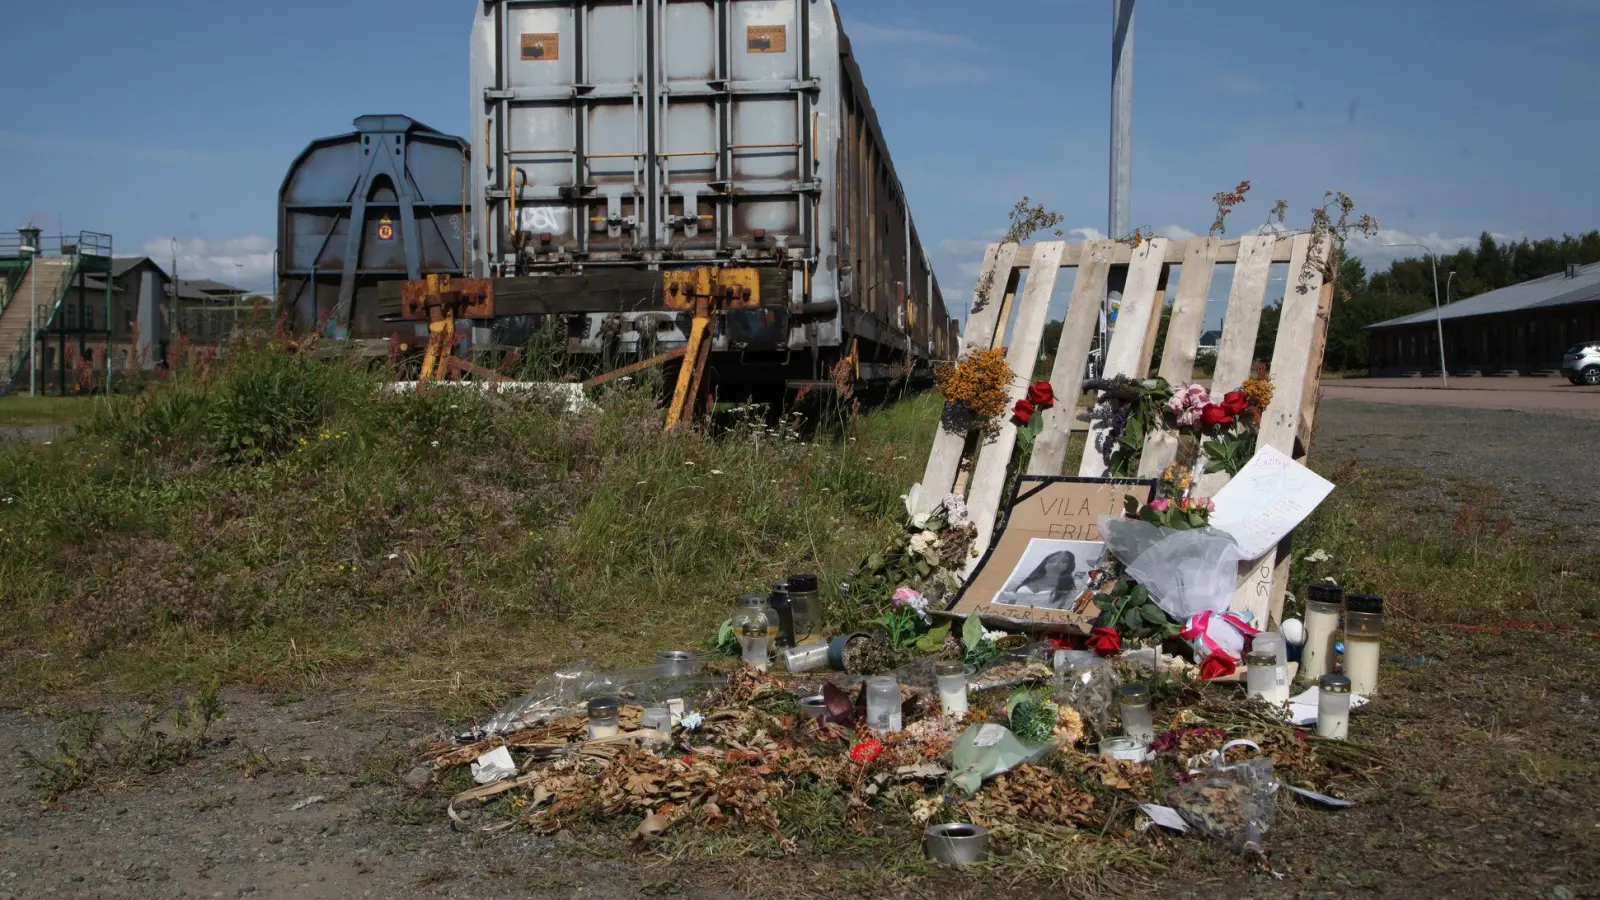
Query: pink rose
[[1160, 504]]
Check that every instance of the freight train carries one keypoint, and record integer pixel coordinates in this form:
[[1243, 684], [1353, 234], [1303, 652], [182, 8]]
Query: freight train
[[615, 147]]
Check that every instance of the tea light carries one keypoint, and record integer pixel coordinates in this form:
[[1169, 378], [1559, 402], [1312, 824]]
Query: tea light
[[1333, 707], [952, 679], [1363, 629]]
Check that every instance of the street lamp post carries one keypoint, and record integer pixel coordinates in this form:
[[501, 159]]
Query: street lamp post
[[1438, 311]]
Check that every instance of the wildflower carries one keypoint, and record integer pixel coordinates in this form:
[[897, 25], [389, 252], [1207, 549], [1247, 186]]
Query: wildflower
[[992, 636], [1317, 556], [433, 443]]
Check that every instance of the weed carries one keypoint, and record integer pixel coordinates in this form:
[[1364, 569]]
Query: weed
[[87, 755]]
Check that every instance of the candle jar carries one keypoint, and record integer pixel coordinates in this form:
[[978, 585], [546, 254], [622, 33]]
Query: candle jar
[[753, 641], [803, 607], [1137, 721], [1363, 630], [1265, 678], [1273, 641], [677, 663], [883, 703], [1062, 660], [806, 657], [1324, 602], [1333, 707], [754, 609], [605, 718], [951, 677], [657, 718], [783, 608]]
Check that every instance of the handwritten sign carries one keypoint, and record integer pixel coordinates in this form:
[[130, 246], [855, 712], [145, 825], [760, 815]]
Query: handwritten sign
[[1267, 499]]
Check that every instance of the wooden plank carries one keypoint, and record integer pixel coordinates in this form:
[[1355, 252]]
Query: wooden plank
[[1127, 341], [1122, 254], [944, 460], [1291, 356], [1183, 339], [1072, 358], [1236, 352], [989, 476]]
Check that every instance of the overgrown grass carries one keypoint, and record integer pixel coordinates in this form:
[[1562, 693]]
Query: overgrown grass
[[20, 410], [286, 520]]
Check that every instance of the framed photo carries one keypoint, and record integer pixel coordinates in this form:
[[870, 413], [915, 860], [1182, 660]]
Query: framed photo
[[1046, 546]]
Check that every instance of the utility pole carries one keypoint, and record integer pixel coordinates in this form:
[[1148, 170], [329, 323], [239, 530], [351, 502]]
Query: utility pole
[[1119, 213]]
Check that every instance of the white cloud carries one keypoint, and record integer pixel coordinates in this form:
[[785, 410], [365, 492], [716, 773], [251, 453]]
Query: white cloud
[[1086, 234], [1390, 244], [242, 261], [1175, 232]]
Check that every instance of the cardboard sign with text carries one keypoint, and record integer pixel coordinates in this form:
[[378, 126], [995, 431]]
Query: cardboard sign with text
[[1047, 543]]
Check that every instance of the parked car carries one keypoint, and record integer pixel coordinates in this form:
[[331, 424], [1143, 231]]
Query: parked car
[[1581, 365]]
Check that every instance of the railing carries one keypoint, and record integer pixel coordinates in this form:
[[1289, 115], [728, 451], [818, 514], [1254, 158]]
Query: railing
[[25, 343]]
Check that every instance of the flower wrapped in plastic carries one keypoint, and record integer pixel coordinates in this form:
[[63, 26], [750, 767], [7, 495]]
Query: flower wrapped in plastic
[[1187, 572]]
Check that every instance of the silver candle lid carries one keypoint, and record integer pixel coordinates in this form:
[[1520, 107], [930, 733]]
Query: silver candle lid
[[1334, 684]]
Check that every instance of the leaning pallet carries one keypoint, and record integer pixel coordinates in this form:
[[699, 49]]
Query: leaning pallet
[[979, 468]]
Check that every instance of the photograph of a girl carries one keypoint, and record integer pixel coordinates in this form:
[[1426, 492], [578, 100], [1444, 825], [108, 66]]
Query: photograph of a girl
[[1050, 574]]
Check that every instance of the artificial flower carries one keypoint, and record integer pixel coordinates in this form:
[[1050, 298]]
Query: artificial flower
[[1234, 402], [1023, 411], [1105, 641], [1041, 394], [866, 751], [912, 600], [1215, 415], [1160, 504], [1217, 665]]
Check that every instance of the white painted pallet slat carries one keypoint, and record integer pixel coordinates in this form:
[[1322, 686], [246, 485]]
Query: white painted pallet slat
[[1127, 341], [1241, 323], [1183, 341], [1072, 358], [989, 476], [944, 462]]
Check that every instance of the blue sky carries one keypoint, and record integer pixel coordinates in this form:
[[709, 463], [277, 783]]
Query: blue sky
[[176, 119]]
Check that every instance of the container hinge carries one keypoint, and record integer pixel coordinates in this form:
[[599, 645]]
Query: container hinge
[[810, 85], [492, 94]]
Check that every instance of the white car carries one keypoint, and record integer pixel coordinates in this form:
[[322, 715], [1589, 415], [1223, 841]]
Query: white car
[[1581, 365]]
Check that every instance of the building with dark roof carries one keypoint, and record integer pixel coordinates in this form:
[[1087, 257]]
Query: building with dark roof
[[1522, 329]]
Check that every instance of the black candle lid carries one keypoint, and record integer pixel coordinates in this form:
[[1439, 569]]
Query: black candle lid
[[803, 583], [1324, 592], [1364, 603]]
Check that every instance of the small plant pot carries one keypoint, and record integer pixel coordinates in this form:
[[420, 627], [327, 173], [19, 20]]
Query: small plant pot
[[838, 645]]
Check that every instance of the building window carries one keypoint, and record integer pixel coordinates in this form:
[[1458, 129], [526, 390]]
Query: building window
[[72, 313]]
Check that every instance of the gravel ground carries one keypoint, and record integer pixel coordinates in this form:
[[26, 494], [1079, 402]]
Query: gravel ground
[[1542, 467]]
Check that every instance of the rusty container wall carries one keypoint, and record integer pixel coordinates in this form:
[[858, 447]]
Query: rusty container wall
[[670, 133], [381, 203]]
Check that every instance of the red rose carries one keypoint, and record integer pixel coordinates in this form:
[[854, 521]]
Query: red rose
[[1215, 415], [1041, 394], [1023, 411], [1217, 666], [1234, 402], [1105, 641], [866, 751]]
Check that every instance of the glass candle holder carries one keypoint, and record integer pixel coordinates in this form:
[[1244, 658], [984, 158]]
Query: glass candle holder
[[1137, 720], [677, 663], [1324, 603], [804, 607], [1265, 678], [605, 718], [1363, 631], [806, 657], [657, 718], [754, 609], [1333, 707], [883, 703], [754, 639], [951, 677], [1273, 641]]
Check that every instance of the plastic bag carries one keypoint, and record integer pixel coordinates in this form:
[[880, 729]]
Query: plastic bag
[[1231, 803], [1090, 685], [986, 750], [1187, 572], [1222, 634], [571, 686]]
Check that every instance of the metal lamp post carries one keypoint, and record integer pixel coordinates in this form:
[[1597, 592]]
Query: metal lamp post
[[1119, 222], [1438, 311], [33, 317]]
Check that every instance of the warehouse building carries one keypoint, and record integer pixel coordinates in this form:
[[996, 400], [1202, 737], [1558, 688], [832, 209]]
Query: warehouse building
[[1523, 329]]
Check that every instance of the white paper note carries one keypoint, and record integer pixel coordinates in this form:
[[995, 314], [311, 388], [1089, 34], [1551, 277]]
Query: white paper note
[[1266, 500], [1165, 816], [496, 765], [1303, 706]]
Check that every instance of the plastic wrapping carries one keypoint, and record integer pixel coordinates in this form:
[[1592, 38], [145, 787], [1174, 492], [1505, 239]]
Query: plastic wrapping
[[984, 751], [1187, 572], [570, 687], [1231, 803], [1091, 686]]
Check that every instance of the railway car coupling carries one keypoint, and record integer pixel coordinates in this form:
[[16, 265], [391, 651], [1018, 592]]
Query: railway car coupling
[[703, 291], [440, 300]]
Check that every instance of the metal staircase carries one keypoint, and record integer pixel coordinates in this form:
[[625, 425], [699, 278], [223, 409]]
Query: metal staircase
[[45, 283]]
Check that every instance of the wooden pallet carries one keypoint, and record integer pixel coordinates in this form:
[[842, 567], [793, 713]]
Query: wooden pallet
[[1296, 363]]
